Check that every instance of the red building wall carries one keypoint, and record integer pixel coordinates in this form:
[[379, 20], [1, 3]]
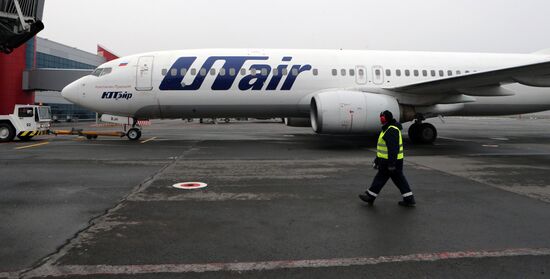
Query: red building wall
[[11, 79]]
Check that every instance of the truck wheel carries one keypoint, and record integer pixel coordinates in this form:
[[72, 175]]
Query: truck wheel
[[134, 134], [7, 132]]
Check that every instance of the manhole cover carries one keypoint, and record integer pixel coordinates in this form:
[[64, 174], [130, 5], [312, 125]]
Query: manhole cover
[[190, 185]]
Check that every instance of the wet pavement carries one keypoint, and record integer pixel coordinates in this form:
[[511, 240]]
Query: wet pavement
[[280, 202]]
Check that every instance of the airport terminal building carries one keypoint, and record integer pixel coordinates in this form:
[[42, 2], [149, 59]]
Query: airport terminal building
[[36, 72]]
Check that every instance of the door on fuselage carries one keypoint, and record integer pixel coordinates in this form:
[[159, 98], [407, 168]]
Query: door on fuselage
[[144, 75]]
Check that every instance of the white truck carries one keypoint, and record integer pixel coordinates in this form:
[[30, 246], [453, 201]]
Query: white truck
[[26, 122]]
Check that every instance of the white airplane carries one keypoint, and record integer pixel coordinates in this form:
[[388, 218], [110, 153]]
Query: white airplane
[[334, 91]]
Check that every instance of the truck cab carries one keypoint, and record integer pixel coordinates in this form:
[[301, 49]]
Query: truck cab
[[26, 122]]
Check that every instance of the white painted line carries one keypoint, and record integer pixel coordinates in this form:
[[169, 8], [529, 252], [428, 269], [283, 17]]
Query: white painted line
[[463, 140], [88, 270], [151, 139], [31, 146]]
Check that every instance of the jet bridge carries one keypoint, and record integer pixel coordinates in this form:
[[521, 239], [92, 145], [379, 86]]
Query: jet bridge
[[20, 20]]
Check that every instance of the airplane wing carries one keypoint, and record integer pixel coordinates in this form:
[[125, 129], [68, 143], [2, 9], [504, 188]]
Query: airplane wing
[[537, 74]]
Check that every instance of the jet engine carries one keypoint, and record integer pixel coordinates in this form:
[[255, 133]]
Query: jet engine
[[350, 112]]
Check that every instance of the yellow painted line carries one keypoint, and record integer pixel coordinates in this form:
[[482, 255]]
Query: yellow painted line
[[151, 139], [31, 146]]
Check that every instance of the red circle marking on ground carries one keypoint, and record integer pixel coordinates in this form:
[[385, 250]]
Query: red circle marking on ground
[[190, 185]]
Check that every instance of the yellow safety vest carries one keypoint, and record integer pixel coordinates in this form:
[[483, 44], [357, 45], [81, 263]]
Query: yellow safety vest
[[382, 149]]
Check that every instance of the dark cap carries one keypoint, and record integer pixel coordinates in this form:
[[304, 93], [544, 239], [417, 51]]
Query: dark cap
[[387, 114]]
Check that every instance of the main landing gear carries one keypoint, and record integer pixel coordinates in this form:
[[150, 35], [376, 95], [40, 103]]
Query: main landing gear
[[422, 133], [134, 133]]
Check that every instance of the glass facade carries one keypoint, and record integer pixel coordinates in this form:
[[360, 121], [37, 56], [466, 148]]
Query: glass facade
[[44, 60], [29, 55]]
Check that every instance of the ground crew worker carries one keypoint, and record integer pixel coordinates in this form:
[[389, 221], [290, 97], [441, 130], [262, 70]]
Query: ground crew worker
[[389, 162]]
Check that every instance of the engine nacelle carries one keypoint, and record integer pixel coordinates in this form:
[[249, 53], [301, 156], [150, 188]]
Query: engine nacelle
[[297, 122], [350, 112]]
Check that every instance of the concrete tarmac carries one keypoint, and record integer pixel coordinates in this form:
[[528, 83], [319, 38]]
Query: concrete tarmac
[[280, 202]]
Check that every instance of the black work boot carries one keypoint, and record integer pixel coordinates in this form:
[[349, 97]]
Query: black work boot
[[368, 198], [408, 202]]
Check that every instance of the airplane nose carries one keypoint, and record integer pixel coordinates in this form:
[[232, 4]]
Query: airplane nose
[[70, 92]]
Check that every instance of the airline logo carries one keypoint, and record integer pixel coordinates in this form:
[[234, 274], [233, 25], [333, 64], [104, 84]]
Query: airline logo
[[117, 95], [229, 74]]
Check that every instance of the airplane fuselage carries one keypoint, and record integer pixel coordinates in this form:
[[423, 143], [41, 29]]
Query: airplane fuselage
[[281, 83]]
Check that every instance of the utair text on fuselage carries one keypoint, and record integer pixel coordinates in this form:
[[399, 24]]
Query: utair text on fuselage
[[258, 79]]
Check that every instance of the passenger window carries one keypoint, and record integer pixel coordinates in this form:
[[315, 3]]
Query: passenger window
[[458, 73], [222, 72], [407, 73], [352, 72], [334, 72], [243, 72], [264, 72], [164, 72], [212, 72], [398, 73], [388, 73], [203, 72], [361, 72], [433, 73], [467, 72], [315, 72], [253, 72], [183, 72], [285, 72], [378, 73], [174, 72], [441, 73], [275, 72], [343, 72], [450, 73], [25, 112], [232, 72], [416, 73], [425, 73], [193, 72], [295, 72]]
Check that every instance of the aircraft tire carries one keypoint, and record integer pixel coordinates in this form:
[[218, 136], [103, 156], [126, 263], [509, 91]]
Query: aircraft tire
[[7, 132], [133, 134], [427, 133], [424, 133]]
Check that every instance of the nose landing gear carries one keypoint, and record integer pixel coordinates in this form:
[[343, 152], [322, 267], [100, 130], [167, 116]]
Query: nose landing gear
[[422, 133], [134, 133]]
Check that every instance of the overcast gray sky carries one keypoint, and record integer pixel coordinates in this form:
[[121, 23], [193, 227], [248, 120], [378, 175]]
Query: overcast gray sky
[[132, 26]]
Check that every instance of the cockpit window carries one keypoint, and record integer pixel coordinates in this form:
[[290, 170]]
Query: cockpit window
[[102, 72]]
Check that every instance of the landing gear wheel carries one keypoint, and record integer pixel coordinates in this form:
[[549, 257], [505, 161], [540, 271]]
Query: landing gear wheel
[[422, 133], [427, 133], [7, 132], [134, 134]]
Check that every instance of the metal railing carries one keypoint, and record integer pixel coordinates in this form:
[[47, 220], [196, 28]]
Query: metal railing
[[31, 9]]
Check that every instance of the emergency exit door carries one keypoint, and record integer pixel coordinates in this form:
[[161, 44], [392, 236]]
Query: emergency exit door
[[144, 76], [378, 75]]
